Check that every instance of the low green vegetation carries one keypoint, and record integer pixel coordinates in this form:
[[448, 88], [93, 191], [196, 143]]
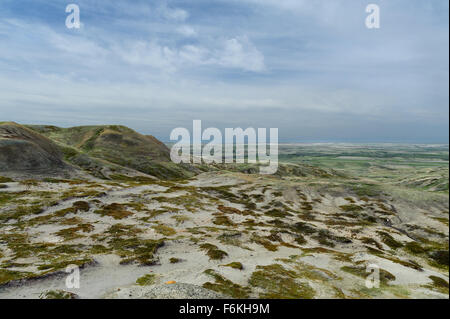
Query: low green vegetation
[[147, 280], [174, 260], [235, 265], [213, 252], [6, 179], [280, 283], [116, 211], [57, 294], [225, 286]]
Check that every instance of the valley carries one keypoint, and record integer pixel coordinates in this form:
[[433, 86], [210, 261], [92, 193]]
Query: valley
[[109, 200]]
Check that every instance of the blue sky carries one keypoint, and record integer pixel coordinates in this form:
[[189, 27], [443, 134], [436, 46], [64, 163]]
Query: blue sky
[[309, 67]]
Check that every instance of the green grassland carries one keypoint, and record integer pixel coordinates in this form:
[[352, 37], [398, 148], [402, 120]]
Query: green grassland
[[420, 167]]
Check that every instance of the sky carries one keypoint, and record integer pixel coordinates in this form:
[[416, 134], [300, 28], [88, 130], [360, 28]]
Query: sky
[[310, 68]]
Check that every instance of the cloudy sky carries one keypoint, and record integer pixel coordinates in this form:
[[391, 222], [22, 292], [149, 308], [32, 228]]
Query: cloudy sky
[[308, 67]]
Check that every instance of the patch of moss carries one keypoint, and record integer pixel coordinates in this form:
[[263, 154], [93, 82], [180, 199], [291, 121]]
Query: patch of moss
[[60, 263], [73, 232], [79, 206], [235, 265], [140, 179], [116, 211], [307, 206], [440, 258], [21, 211], [351, 208], [7, 198], [123, 241], [180, 219], [279, 283], [190, 202], [277, 213], [264, 242], [225, 286], [28, 183], [229, 210], [98, 249], [303, 228], [213, 252], [57, 294], [371, 241], [146, 280], [174, 260], [389, 240], [81, 193], [415, 248], [222, 220], [326, 238], [164, 230], [300, 240], [9, 275], [277, 194], [366, 190], [6, 180], [439, 284]]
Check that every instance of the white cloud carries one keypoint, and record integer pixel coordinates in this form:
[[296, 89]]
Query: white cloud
[[187, 31], [235, 53], [194, 54], [75, 45], [149, 54], [176, 14], [137, 55], [241, 53]]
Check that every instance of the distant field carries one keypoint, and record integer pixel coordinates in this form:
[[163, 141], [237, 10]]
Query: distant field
[[417, 166]]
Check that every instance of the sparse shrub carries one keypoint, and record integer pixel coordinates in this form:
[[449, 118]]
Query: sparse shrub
[[235, 265], [174, 260], [117, 211]]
